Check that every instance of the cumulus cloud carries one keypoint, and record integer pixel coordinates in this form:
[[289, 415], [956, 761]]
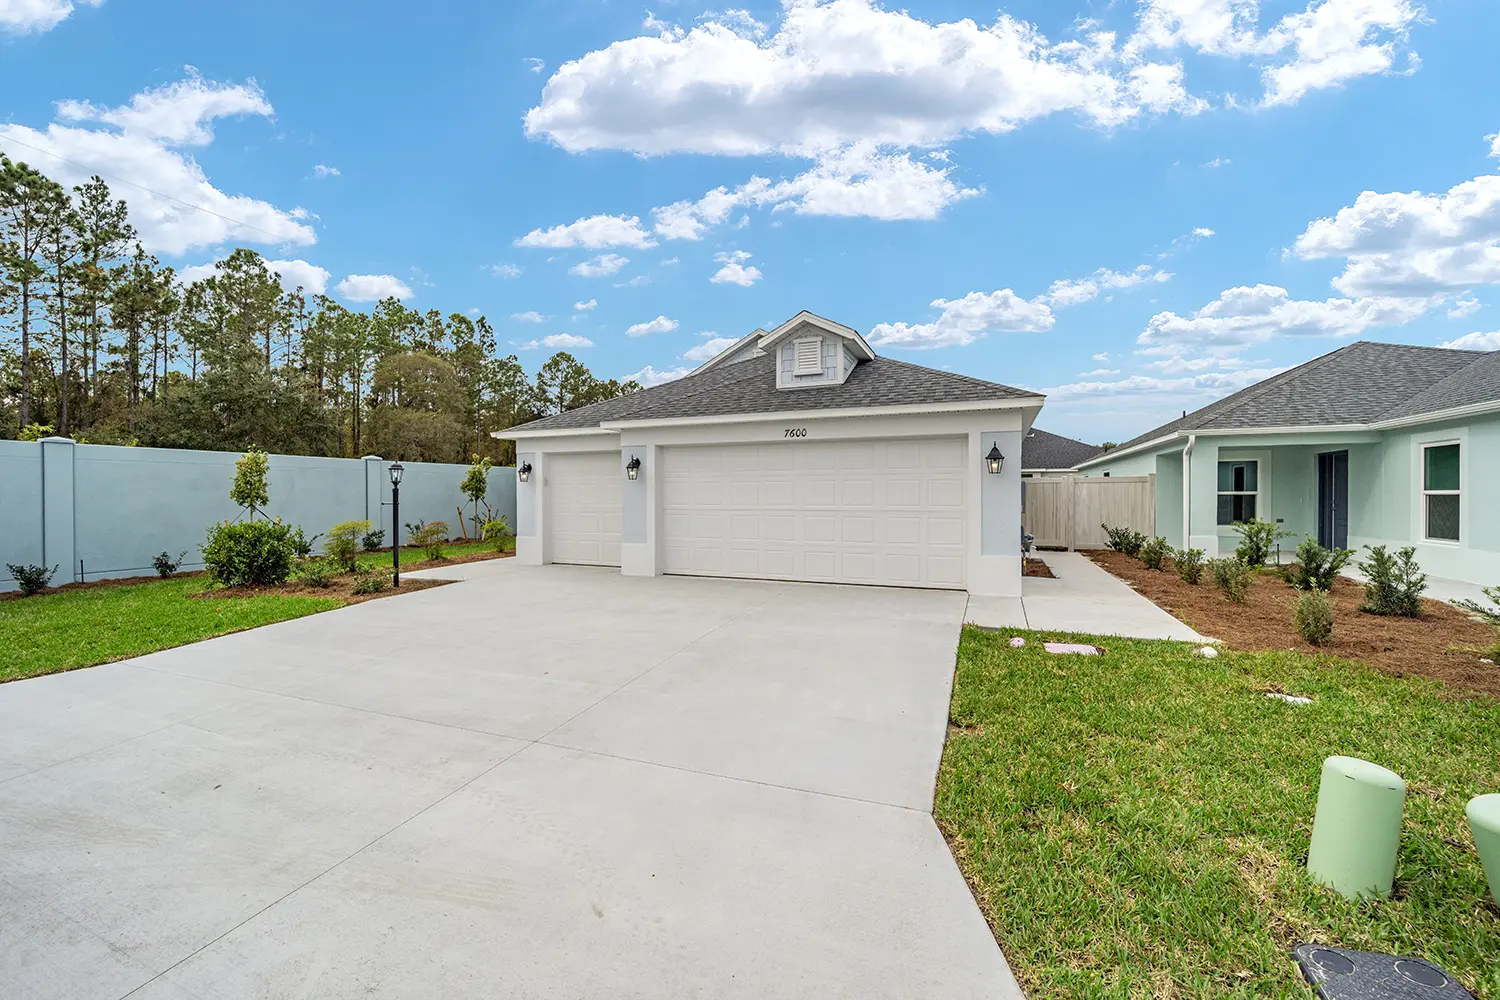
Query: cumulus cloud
[[530, 316], [20, 17], [601, 266], [558, 342], [506, 271], [595, 232], [136, 147], [1064, 293], [962, 321], [735, 271], [1100, 373], [1251, 315], [1208, 383], [658, 325], [709, 349], [1475, 342], [290, 274], [649, 376], [323, 170], [1101, 356], [373, 288], [1467, 306], [586, 306]]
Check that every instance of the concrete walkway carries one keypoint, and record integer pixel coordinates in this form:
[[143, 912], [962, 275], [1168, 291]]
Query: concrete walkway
[[1082, 598], [538, 783]]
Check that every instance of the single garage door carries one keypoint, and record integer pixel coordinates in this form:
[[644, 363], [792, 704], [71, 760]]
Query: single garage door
[[866, 512], [583, 514]]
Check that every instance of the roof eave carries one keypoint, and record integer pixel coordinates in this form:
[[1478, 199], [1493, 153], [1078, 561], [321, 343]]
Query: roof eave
[[763, 416], [521, 434], [1135, 448], [1438, 416]]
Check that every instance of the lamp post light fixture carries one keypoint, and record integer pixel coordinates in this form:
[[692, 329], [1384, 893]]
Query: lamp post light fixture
[[633, 468], [524, 472], [994, 460], [396, 473]]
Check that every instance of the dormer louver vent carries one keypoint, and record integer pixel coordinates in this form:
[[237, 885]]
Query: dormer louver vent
[[809, 357]]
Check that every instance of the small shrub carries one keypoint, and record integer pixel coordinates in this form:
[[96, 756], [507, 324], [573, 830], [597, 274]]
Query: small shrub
[[1489, 614], [412, 529], [373, 540], [342, 545], [371, 583], [432, 539], [166, 565], [301, 544], [1257, 539], [36, 432], [31, 579], [497, 533], [315, 573], [249, 553], [1394, 583], [1232, 577], [1312, 613], [1189, 563], [1154, 551], [1316, 567], [1126, 540]]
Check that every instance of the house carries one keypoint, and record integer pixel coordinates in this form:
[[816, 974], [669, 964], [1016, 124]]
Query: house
[[796, 454], [1371, 444], [1044, 454]]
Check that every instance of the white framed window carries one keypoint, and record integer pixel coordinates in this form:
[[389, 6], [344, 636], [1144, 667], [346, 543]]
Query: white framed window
[[1239, 491], [1442, 500], [807, 357]]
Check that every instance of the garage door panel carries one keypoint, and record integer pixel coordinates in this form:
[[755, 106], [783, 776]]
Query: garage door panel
[[945, 493], [945, 530], [584, 513], [943, 454], [858, 493], [820, 493]]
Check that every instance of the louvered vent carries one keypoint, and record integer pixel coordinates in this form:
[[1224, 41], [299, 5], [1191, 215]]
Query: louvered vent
[[809, 357]]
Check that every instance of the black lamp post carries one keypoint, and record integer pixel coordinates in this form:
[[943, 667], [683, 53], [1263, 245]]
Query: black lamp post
[[396, 472], [994, 460]]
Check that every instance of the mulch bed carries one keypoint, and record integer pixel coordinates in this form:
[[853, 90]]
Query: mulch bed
[[1444, 644], [340, 588], [1036, 568]]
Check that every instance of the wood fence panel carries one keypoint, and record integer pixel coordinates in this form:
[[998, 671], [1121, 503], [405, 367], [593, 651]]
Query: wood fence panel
[[1067, 511]]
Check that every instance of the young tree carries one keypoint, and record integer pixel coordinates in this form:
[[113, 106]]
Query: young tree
[[24, 196]]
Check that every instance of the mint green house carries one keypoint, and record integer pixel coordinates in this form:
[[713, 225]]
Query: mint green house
[[1371, 444]]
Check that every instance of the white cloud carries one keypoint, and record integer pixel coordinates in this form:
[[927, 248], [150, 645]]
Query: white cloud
[[1464, 307], [1494, 141], [1475, 341], [709, 349], [373, 288], [1212, 384], [594, 232], [324, 170], [636, 282], [1203, 232], [963, 321], [1100, 373], [507, 271], [535, 65], [601, 266], [1424, 272], [1064, 293], [734, 271], [292, 273], [530, 316], [1217, 162], [586, 306], [658, 325], [172, 203], [648, 376], [1101, 356], [558, 342], [1250, 315], [22, 16]]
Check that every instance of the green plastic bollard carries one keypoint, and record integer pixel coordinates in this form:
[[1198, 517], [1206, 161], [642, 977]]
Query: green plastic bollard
[[1484, 823], [1357, 830]]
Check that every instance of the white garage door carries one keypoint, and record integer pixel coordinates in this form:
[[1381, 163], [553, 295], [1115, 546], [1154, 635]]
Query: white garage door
[[871, 512], [583, 514]]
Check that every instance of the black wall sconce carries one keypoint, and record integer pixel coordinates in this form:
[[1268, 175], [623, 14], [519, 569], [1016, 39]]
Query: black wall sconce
[[524, 472], [994, 460], [633, 468]]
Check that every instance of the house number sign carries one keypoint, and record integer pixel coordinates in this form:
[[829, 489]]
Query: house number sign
[[795, 432]]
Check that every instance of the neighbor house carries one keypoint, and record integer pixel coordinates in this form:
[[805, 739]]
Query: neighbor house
[[1371, 444], [1044, 454], [796, 454]]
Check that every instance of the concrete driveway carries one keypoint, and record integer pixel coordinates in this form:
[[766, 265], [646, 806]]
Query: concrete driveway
[[536, 783]]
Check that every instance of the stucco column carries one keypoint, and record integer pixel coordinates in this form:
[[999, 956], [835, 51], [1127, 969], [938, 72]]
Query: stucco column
[[375, 509], [1203, 497], [58, 516], [639, 518], [530, 531], [995, 560]]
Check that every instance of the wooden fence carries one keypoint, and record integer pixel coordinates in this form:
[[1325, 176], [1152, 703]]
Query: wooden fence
[[1065, 512]]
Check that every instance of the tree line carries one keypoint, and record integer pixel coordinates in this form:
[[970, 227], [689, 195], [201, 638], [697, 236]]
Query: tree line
[[101, 342]]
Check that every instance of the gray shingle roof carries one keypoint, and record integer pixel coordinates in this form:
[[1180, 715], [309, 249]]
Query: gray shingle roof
[[750, 387], [1362, 383], [1041, 450]]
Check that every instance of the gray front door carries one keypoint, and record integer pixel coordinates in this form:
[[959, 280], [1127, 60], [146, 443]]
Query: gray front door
[[1333, 499]]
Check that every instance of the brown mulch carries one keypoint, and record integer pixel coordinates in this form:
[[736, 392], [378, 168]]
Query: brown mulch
[[1036, 568], [340, 588], [1443, 645]]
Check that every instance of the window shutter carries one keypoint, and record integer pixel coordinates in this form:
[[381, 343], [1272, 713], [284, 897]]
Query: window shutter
[[809, 357]]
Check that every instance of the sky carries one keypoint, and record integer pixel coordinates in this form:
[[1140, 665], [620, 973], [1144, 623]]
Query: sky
[[1135, 208]]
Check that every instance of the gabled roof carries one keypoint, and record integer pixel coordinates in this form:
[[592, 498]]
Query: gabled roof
[[1041, 450], [804, 319], [752, 337], [1365, 383]]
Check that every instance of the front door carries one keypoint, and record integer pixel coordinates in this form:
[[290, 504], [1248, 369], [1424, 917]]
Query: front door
[[1333, 499]]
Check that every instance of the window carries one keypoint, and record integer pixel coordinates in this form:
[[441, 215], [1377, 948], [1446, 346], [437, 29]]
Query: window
[[1239, 489], [1440, 494], [808, 355]]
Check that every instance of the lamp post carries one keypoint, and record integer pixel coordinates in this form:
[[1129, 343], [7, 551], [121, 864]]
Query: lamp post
[[396, 472]]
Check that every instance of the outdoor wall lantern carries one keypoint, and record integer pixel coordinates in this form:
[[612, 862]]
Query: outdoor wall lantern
[[994, 460], [524, 472], [633, 468]]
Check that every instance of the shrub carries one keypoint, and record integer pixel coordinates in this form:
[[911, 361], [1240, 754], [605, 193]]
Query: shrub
[[342, 545], [31, 579], [1257, 538], [249, 553], [497, 533], [431, 538], [35, 432], [370, 583], [315, 573], [1316, 567], [1312, 613], [1126, 540], [1154, 551], [250, 489], [373, 540], [166, 565], [1490, 614], [1189, 564], [301, 544], [1394, 583], [1232, 577]]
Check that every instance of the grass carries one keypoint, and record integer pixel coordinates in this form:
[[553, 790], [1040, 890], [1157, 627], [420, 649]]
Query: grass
[[411, 554], [81, 628], [1136, 824]]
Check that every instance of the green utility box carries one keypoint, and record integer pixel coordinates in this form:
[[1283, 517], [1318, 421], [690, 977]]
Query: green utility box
[[1484, 822], [1357, 830]]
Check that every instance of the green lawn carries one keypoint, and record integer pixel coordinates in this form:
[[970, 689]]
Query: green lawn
[[79, 628], [411, 554], [1136, 824]]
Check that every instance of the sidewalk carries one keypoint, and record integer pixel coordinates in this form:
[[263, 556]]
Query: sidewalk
[[1083, 598]]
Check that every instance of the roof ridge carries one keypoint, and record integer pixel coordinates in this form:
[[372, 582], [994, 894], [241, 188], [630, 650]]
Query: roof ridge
[[1480, 357], [960, 375]]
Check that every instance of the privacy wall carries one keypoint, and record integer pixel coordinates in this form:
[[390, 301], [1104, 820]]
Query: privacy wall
[[99, 512]]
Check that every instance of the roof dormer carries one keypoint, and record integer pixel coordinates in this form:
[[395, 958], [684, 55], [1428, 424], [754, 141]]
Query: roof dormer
[[811, 351]]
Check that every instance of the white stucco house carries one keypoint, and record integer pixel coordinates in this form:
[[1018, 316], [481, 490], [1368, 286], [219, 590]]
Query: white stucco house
[[796, 454]]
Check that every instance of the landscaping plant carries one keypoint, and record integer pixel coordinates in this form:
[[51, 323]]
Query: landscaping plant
[[497, 532], [1312, 613], [1154, 551], [31, 579], [250, 488], [249, 553], [1316, 567], [1257, 539], [1489, 614], [1189, 563], [373, 540], [475, 485], [1232, 577], [301, 544], [1394, 583], [370, 583], [432, 539], [166, 565], [315, 573], [342, 545], [1126, 540]]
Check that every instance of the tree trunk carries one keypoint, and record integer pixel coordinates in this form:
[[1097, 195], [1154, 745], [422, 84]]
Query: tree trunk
[[25, 352], [62, 325]]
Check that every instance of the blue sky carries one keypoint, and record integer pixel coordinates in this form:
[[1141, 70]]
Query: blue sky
[[1135, 208]]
